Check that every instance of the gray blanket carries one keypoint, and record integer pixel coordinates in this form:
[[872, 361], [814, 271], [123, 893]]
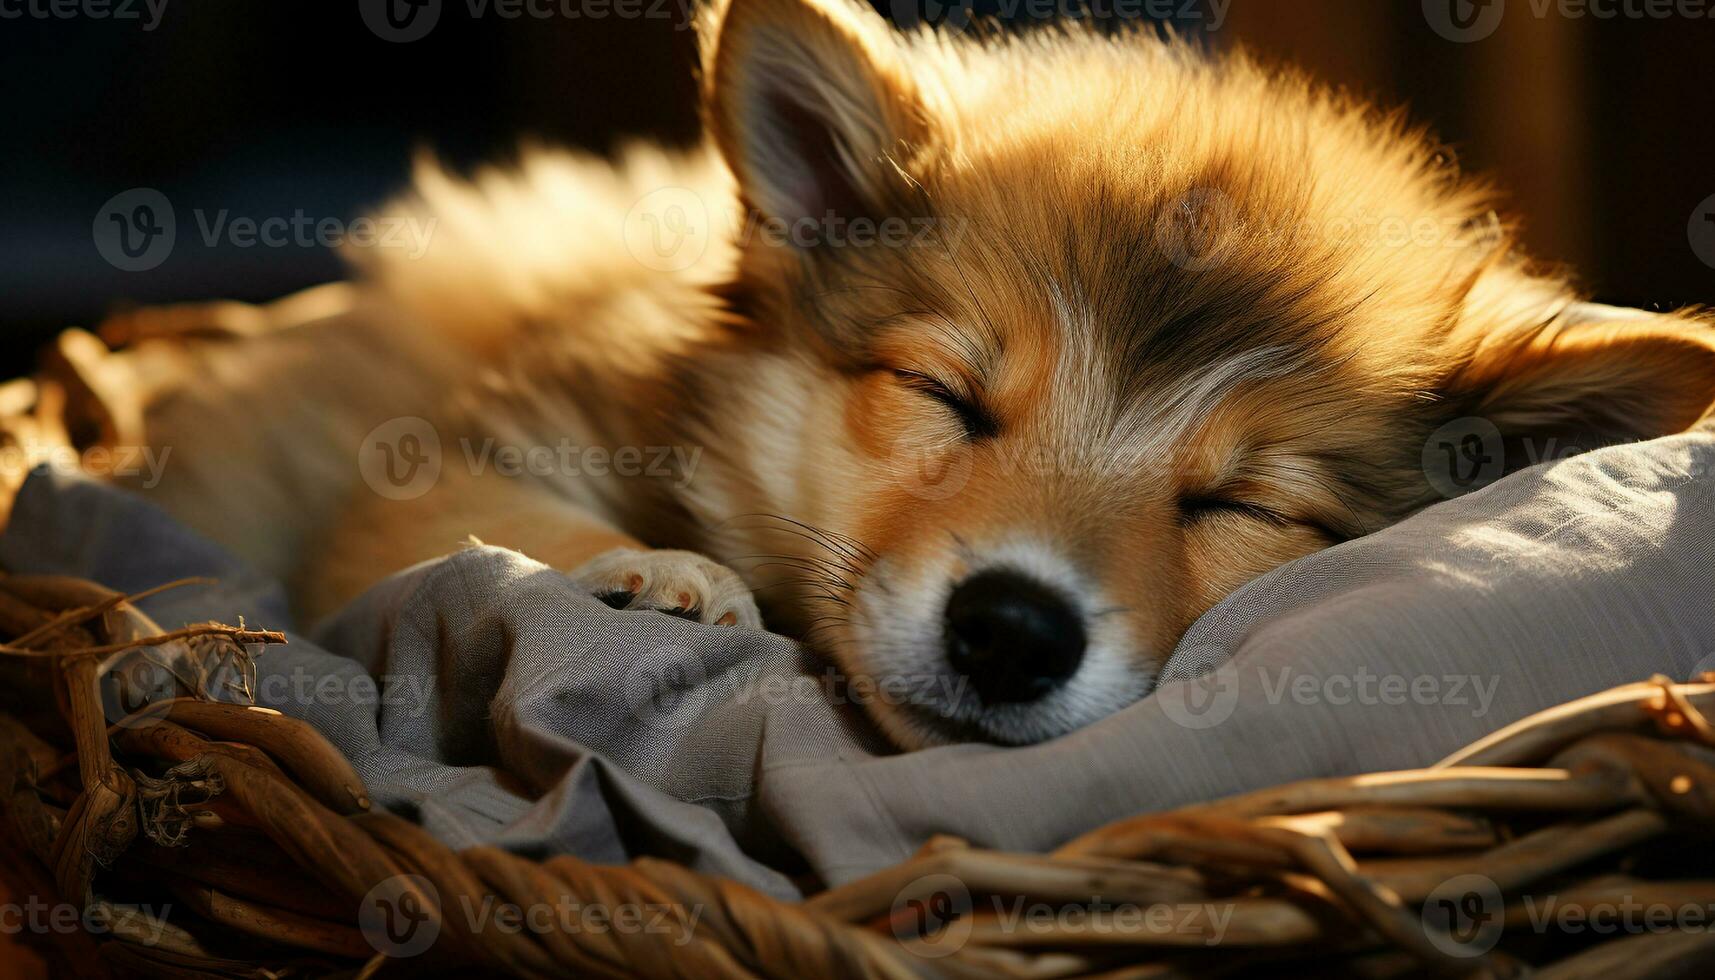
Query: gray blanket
[[483, 696]]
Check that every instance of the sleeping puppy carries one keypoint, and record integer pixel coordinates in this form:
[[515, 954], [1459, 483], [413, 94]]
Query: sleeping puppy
[[995, 361]]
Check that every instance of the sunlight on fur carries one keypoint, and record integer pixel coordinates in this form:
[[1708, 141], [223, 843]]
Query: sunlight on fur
[[1146, 332]]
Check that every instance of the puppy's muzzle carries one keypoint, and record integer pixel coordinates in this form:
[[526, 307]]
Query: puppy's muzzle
[[1016, 639]]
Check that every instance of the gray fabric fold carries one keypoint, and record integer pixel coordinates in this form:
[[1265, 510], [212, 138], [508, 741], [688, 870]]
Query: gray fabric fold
[[484, 696]]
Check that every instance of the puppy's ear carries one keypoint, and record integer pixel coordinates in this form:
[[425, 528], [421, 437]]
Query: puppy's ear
[[810, 103], [1590, 376]]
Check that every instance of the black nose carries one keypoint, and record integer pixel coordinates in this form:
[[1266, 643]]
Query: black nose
[[1013, 637]]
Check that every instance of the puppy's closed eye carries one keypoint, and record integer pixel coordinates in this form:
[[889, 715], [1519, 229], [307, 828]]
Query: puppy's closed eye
[[978, 422], [1198, 507]]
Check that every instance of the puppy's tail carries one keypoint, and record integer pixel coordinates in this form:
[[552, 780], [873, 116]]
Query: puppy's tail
[[547, 246]]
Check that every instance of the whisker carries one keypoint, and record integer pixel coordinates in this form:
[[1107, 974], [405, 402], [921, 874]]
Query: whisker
[[849, 546], [846, 555], [826, 579]]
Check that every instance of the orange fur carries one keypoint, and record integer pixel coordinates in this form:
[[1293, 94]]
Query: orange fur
[[1174, 287]]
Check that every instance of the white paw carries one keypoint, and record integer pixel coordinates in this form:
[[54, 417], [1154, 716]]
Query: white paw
[[678, 583]]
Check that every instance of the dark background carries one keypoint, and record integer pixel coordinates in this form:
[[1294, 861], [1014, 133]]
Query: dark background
[[1602, 128]]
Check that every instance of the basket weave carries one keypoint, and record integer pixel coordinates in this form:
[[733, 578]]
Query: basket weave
[[260, 838], [203, 837]]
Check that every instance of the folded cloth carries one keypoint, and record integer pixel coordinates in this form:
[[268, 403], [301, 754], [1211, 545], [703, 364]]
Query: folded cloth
[[484, 696]]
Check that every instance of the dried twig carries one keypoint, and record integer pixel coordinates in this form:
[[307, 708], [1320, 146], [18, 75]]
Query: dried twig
[[238, 634], [74, 616]]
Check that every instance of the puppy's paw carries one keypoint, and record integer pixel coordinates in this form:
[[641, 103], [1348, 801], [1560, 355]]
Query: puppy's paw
[[678, 583]]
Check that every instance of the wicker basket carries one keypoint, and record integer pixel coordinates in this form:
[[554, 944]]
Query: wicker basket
[[258, 839], [196, 836]]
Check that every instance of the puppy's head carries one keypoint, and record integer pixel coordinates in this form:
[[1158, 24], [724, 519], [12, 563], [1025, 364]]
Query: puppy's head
[[1074, 335]]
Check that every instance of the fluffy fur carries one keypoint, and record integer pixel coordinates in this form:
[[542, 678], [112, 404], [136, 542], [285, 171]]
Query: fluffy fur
[[1164, 321]]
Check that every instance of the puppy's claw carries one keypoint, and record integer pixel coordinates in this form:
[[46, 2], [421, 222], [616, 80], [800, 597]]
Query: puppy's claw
[[677, 583]]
